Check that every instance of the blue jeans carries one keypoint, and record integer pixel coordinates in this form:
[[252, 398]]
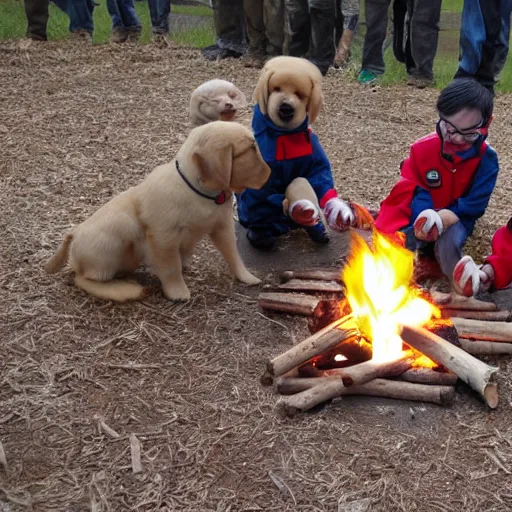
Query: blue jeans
[[485, 27], [124, 15], [447, 250], [159, 11], [79, 12]]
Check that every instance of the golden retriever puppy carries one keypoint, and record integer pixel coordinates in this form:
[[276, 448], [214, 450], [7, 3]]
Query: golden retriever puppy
[[160, 221], [215, 100], [288, 98]]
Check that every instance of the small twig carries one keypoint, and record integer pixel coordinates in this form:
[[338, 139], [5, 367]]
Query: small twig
[[447, 448], [109, 431], [3, 459], [281, 485], [135, 451], [271, 320], [496, 460], [134, 366]]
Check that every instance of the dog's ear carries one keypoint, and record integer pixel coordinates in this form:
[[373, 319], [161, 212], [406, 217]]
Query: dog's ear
[[316, 101], [215, 166], [260, 96]]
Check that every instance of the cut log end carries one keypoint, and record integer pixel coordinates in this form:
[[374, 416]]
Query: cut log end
[[491, 395]]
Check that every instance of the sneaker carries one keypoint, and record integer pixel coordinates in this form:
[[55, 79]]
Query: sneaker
[[318, 234], [261, 239], [420, 82], [119, 35], [133, 34], [367, 77]]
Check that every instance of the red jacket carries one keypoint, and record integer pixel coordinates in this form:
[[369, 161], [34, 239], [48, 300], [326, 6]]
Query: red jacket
[[501, 257], [430, 181]]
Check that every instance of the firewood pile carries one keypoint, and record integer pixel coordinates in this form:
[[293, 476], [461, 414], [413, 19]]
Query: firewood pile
[[336, 360]]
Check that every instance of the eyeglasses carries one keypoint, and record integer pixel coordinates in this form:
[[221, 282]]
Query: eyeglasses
[[470, 134]]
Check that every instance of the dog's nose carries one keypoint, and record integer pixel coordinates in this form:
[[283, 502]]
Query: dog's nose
[[286, 111], [228, 106]]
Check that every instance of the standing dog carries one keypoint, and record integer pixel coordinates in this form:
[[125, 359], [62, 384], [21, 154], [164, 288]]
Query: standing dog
[[288, 97], [215, 100], [160, 221]]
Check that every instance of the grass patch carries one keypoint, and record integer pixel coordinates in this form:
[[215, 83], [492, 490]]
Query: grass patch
[[13, 23]]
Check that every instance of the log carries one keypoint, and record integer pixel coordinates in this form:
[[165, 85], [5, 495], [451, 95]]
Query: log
[[319, 342], [293, 303], [481, 330], [473, 372], [456, 301], [491, 316], [369, 370], [311, 274], [486, 348], [429, 376], [312, 285], [319, 390]]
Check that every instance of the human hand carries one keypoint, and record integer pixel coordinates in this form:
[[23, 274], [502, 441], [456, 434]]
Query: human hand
[[304, 212], [338, 214], [428, 226]]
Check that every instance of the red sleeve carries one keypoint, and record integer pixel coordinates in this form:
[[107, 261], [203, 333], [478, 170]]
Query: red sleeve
[[501, 257]]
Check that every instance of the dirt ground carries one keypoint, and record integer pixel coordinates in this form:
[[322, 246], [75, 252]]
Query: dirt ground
[[79, 125]]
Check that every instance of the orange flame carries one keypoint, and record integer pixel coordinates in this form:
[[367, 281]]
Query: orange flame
[[382, 296]]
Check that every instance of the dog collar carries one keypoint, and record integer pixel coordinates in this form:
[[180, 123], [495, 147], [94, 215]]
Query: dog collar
[[218, 199]]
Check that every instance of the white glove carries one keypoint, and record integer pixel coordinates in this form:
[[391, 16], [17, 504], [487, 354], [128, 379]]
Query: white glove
[[469, 279], [428, 226], [338, 214], [304, 212]]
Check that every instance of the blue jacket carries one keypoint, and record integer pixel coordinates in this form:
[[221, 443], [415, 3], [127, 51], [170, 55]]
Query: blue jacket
[[290, 154]]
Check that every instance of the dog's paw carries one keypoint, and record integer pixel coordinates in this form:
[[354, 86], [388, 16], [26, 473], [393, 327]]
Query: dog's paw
[[248, 278], [177, 293]]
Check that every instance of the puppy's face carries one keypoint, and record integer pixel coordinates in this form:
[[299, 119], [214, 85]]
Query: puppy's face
[[215, 100], [289, 88], [228, 158], [288, 99]]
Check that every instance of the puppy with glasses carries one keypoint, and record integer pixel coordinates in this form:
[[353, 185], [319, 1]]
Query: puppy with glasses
[[160, 221], [288, 97]]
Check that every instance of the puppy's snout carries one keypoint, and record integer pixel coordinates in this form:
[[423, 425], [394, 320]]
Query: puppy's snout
[[229, 106], [286, 111]]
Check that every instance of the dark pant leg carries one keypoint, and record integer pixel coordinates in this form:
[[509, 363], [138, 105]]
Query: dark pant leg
[[229, 21], [501, 50], [273, 17], [423, 35], [297, 26], [159, 11], [255, 25], [321, 48], [448, 249], [479, 37], [36, 12], [376, 27]]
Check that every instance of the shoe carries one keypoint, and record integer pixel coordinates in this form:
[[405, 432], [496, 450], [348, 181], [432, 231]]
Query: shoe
[[119, 35], [253, 60], [367, 77], [420, 82], [82, 35], [161, 39], [133, 34], [261, 239], [215, 52], [318, 234]]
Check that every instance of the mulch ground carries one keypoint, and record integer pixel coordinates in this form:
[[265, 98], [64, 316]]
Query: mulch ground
[[79, 376]]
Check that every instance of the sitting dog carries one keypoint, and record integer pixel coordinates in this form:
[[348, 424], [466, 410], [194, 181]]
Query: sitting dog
[[160, 221], [288, 96], [215, 100]]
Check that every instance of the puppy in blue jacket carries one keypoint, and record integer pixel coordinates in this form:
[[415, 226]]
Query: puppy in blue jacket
[[288, 97]]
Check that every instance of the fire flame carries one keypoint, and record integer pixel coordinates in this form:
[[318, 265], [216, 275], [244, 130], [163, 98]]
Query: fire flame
[[382, 296]]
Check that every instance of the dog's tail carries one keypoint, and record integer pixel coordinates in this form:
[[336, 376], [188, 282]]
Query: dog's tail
[[118, 290], [60, 258]]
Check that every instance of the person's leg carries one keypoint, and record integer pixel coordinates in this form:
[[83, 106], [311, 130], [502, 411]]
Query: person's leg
[[424, 35], [119, 34], [80, 14], [479, 36], [321, 48], [36, 12], [297, 26], [130, 18], [273, 18], [350, 17], [255, 32], [501, 50], [376, 27], [159, 11], [448, 249]]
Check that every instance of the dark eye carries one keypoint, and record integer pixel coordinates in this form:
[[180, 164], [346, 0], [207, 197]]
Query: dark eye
[[299, 95], [277, 89]]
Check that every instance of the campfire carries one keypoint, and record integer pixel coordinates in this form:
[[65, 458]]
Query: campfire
[[375, 332]]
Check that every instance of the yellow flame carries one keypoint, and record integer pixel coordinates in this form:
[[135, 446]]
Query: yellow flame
[[381, 293]]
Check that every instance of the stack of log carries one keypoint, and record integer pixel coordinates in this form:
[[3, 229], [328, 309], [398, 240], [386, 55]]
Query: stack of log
[[336, 360]]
